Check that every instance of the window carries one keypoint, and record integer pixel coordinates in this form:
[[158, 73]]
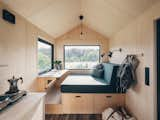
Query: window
[[81, 57], [45, 56]]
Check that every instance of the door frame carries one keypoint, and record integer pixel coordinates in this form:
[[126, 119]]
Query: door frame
[[158, 65]]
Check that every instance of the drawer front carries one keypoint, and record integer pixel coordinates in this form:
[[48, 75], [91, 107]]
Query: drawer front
[[77, 103], [103, 101]]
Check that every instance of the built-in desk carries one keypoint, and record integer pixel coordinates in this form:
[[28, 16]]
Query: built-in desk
[[48, 79], [50, 83]]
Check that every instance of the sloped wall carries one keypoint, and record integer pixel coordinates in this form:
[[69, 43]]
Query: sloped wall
[[73, 38], [139, 37], [18, 51]]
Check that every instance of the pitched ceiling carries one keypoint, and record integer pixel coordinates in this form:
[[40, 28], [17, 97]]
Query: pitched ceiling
[[57, 17]]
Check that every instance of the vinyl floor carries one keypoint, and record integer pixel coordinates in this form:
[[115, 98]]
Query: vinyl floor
[[74, 117]]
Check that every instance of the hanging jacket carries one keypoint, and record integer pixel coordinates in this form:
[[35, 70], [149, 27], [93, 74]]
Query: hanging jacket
[[126, 73]]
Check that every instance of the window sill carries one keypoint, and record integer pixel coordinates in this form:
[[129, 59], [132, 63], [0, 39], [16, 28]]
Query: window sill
[[54, 73], [45, 72]]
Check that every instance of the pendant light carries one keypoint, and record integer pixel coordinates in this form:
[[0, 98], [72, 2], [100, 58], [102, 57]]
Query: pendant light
[[81, 17]]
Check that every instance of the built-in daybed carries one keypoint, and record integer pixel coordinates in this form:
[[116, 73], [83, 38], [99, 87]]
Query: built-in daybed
[[91, 84], [88, 94], [85, 84]]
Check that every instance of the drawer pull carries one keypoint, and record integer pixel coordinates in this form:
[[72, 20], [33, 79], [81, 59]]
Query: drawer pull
[[78, 96], [108, 96]]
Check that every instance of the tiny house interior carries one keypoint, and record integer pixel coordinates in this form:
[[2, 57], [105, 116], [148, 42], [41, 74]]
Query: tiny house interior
[[79, 59]]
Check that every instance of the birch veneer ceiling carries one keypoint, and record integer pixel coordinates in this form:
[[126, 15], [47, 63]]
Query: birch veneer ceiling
[[57, 17]]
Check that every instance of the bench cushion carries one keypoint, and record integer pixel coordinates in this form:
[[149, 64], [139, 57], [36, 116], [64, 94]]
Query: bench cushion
[[110, 73], [85, 84]]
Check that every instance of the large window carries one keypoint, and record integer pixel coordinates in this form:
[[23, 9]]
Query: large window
[[45, 56], [81, 57]]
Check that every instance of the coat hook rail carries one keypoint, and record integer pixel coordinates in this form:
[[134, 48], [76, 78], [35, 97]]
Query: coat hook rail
[[138, 55]]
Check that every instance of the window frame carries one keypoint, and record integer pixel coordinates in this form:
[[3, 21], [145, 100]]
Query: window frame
[[52, 54], [80, 45]]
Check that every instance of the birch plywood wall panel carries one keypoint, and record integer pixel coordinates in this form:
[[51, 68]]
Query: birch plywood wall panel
[[18, 47], [138, 37], [73, 38]]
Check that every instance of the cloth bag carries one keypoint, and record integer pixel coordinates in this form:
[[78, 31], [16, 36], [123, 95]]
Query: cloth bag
[[116, 114]]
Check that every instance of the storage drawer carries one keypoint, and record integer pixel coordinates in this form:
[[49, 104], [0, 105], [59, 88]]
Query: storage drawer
[[103, 101], [77, 103]]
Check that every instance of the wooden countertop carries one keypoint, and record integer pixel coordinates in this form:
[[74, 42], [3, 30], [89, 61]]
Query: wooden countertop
[[24, 108]]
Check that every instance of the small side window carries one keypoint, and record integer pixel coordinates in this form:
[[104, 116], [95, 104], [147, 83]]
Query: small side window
[[45, 56]]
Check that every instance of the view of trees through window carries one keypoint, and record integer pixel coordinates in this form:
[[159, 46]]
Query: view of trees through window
[[81, 57], [44, 56]]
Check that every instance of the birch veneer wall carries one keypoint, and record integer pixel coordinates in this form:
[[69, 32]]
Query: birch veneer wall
[[73, 38], [139, 37], [18, 50]]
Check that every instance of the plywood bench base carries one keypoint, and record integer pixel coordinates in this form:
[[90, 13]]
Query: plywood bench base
[[90, 103], [78, 103]]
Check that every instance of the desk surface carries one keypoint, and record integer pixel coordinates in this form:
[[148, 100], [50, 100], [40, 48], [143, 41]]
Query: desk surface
[[54, 74]]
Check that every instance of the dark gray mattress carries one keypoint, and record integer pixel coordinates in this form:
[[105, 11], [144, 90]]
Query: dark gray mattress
[[85, 84]]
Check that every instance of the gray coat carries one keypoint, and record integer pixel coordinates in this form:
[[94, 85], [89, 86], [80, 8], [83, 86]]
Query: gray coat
[[126, 73]]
